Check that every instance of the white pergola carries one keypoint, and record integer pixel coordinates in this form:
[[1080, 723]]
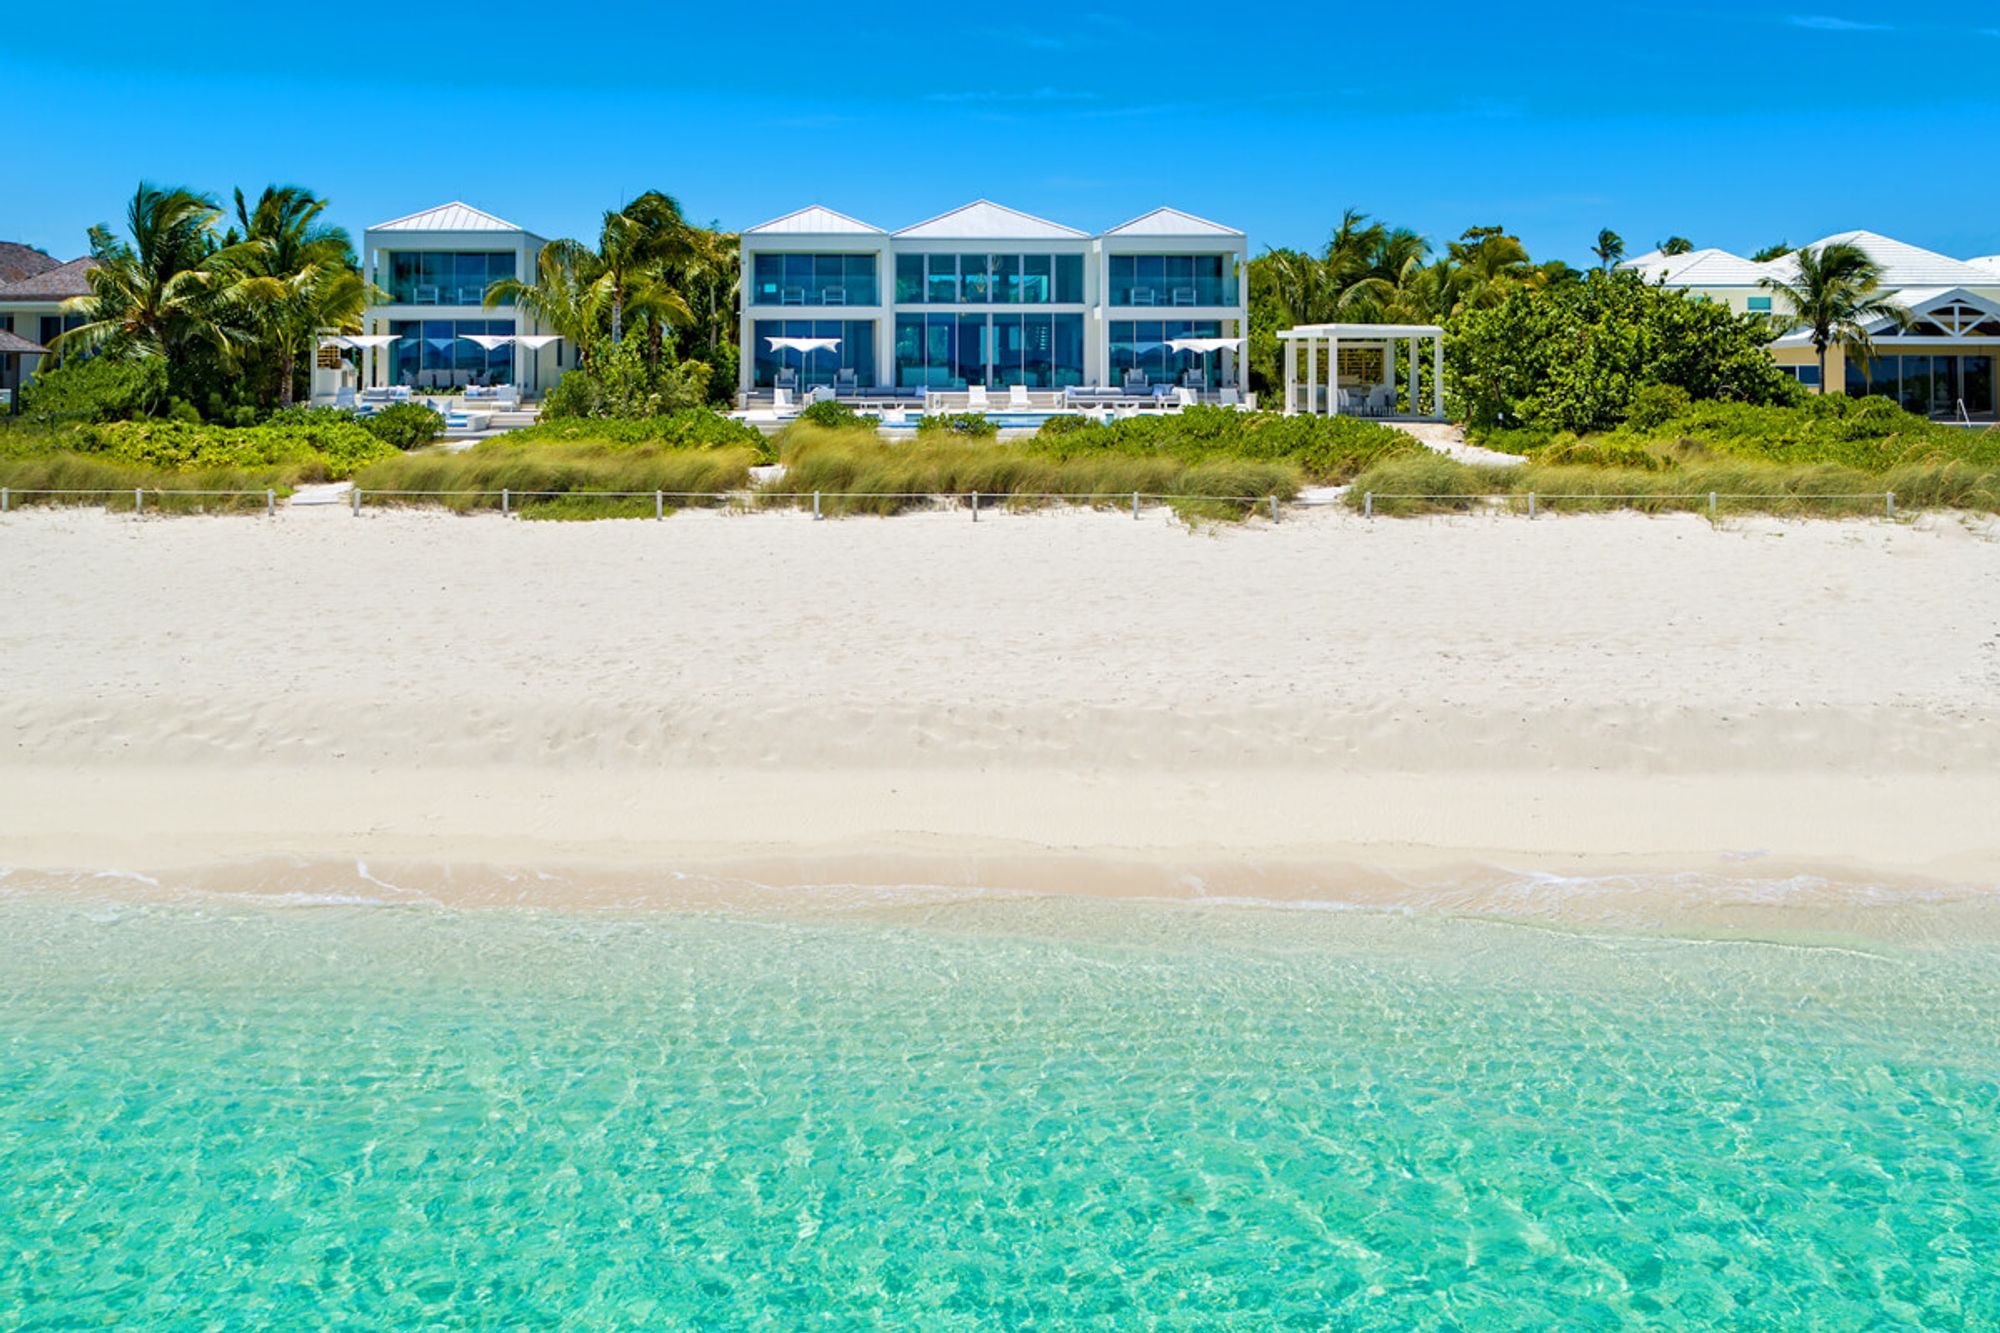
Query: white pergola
[[1313, 384]]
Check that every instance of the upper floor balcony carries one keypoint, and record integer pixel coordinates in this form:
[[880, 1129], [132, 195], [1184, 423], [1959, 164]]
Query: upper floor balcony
[[1172, 281], [442, 277], [813, 280]]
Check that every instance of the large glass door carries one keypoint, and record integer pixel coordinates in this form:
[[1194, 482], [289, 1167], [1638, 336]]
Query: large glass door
[[1975, 384]]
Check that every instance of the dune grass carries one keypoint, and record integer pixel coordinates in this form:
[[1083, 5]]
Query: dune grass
[[538, 472], [1823, 490], [856, 472], [28, 479]]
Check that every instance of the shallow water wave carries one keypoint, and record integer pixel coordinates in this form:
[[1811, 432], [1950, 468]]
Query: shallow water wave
[[989, 1111]]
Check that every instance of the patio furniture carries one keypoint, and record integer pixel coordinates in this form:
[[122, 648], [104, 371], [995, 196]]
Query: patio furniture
[[845, 384], [1144, 296], [1228, 396], [426, 296], [343, 399], [1017, 397], [1135, 381], [819, 393], [975, 398], [1195, 379], [1185, 397], [1382, 400], [1185, 296], [781, 400], [833, 296], [788, 378], [792, 296]]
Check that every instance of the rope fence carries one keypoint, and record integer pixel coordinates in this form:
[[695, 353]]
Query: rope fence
[[973, 500]]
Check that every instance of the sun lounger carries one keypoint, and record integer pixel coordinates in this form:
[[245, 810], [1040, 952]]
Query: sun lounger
[[781, 400], [975, 398], [1017, 397]]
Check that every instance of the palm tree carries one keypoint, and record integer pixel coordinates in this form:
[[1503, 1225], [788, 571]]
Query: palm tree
[[1610, 248], [564, 295], [1489, 264], [151, 294], [1835, 294], [1771, 252], [292, 277], [1675, 245], [634, 246]]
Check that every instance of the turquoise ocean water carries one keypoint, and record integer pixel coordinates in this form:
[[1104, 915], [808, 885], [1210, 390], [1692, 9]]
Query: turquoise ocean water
[[1012, 1113]]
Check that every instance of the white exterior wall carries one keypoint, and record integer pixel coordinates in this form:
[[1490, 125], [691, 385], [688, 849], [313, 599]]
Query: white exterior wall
[[1094, 308], [534, 372], [823, 243], [1235, 318]]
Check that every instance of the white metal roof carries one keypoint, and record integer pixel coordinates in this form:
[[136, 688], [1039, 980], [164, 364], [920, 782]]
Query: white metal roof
[[1700, 268], [1363, 332], [1903, 265], [1171, 222], [813, 221], [1990, 264], [985, 220], [454, 216]]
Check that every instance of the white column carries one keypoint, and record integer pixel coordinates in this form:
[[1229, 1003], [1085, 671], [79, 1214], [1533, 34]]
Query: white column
[[1291, 376], [1312, 375], [1333, 376], [1437, 375], [1416, 381]]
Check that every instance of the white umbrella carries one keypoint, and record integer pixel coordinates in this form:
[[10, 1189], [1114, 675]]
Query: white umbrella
[[490, 341], [1203, 344], [804, 347]]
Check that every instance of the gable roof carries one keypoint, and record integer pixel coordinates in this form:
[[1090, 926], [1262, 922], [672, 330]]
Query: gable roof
[[985, 220], [1988, 264], [1700, 268], [13, 344], [813, 221], [454, 216], [18, 261], [1903, 265], [54, 284], [1171, 222]]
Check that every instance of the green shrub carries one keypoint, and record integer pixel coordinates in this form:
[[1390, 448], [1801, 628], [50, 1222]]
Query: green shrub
[[97, 388], [973, 424], [318, 451], [405, 425], [832, 412], [617, 382], [691, 428], [1599, 451], [1654, 405]]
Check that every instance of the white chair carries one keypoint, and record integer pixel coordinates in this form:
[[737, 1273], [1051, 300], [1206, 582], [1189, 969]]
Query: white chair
[[1382, 400], [781, 400], [1184, 397], [1017, 397], [343, 398], [1229, 396], [819, 393], [975, 398]]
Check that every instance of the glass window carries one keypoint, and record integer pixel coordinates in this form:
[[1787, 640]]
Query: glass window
[[909, 282], [1975, 384], [974, 350], [1067, 358], [1760, 305], [941, 287], [1069, 279], [1007, 279], [971, 278], [1916, 394], [1036, 274]]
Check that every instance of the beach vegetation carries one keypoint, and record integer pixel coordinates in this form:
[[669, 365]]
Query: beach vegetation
[[406, 425], [856, 472], [689, 428], [1322, 449], [588, 472], [1575, 356], [96, 388], [836, 414]]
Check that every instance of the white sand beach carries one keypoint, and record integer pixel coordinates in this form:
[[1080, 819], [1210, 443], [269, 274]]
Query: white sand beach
[[1254, 710]]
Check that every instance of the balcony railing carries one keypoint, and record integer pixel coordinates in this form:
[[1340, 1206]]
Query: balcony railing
[[1175, 292], [438, 293], [814, 294]]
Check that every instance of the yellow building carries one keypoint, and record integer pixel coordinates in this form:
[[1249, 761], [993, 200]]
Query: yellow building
[[1942, 366]]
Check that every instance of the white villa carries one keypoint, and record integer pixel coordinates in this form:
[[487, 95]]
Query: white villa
[[1942, 366], [985, 297], [33, 290], [435, 267]]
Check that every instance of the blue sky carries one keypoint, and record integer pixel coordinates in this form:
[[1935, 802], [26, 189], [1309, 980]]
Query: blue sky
[[1734, 125]]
